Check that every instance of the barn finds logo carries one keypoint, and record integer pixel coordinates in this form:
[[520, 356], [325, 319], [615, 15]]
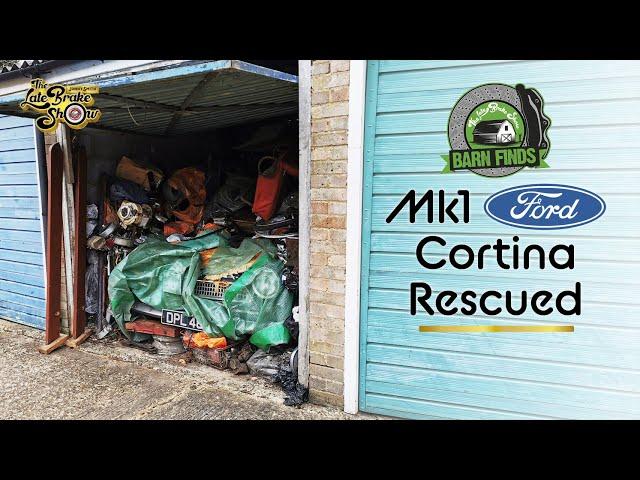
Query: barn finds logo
[[496, 130], [61, 103]]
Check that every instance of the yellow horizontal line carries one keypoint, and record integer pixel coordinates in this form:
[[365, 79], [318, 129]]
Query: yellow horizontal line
[[496, 328]]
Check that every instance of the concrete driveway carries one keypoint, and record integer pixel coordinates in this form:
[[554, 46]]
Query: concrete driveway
[[104, 380]]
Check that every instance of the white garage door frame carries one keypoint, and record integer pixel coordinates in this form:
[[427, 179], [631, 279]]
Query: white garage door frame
[[355, 165]]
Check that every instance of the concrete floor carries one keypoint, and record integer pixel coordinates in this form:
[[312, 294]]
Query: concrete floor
[[104, 380]]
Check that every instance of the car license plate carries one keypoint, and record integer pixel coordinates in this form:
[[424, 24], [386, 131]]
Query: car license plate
[[180, 320]]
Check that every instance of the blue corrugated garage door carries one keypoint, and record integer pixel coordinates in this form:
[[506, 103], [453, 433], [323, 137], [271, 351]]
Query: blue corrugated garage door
[[21, 259], [594, 372]]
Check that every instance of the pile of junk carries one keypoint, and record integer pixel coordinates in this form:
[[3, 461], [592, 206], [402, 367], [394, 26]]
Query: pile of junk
[[202, 265]]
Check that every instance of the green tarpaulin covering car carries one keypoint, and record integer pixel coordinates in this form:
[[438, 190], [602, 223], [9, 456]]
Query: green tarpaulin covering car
[[163, 275]]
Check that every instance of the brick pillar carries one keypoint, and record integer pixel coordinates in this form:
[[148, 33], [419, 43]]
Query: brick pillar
[[329, 118]]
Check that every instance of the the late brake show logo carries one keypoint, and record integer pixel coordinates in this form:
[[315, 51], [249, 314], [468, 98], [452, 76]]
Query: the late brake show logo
[[496, 130], [61, 103]]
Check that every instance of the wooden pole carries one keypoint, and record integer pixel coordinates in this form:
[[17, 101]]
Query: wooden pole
[[54, 243], [79, 319], [63, 134]]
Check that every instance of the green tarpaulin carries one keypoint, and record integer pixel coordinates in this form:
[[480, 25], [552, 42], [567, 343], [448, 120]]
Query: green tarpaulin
[[163, 275]]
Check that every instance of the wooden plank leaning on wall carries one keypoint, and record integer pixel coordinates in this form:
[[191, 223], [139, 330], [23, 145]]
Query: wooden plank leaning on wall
[[53, 338], [63, 137], [79, 332], [66, 204]]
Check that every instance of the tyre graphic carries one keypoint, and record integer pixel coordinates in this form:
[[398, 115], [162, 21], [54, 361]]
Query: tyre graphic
[[74, 114], [466, 106]]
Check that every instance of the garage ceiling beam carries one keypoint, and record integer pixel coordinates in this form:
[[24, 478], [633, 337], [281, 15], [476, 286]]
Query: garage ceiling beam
[[252, 106], [126, 101], [123, 131], [190, 98], [203, 109]]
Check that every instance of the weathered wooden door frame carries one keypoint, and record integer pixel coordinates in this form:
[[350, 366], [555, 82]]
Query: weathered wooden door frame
[[304, 190], [53, 323], [53, 251]]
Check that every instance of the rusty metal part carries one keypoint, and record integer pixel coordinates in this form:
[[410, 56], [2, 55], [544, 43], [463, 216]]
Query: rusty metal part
[[238, 367], [239, 357], [134, 214], [214, 357], [168, 345], [219, 357], [214, 290], [54, 243], [110, 229], [161, 218], [123, 242], [96, 242], [245, 352], [152, 327], [146, 310]]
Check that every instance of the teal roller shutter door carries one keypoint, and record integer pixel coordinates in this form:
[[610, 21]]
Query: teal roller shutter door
[[21, 258], [594, 372]]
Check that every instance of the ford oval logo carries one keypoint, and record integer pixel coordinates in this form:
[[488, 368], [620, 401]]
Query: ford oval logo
[[545, 206]]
